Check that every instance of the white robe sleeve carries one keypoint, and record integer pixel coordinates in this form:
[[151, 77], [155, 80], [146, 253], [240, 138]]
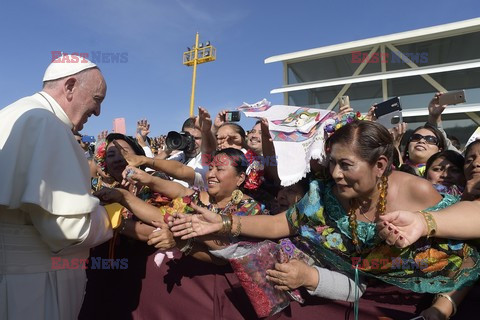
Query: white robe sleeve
[[67, 234], [336, 286]]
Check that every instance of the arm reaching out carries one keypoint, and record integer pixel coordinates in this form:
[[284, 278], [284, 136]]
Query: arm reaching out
[[207, 222], [170, 189], [460, 221], [204, 123], [140, 208], [173, 168]]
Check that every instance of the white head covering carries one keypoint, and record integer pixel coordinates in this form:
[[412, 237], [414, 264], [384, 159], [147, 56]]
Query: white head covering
[[65, 66]]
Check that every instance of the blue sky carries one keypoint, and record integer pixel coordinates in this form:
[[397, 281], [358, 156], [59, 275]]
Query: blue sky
[[154, 84]]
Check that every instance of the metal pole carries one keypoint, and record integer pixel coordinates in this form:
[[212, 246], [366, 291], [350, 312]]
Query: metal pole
[[192, 97]]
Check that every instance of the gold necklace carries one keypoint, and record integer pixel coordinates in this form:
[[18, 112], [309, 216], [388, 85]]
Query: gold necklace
[[365, 215], [381, 207], [235, 199]]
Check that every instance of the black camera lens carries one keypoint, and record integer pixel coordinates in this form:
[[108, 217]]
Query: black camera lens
[[174, 140], [180, 141]]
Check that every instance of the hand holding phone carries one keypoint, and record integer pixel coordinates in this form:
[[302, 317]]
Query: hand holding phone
[[389, 113], [452, 97], [232, 116], [343, 101]]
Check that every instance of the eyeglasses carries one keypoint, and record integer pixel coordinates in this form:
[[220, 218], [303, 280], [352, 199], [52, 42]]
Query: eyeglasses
[[428, 139]]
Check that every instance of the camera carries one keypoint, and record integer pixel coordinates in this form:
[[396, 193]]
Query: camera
[[180, 141]]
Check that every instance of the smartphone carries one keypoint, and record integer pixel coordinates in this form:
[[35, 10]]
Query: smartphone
[[343, 101], [232, 116], [89, 139], [452, 97], [389, 113]]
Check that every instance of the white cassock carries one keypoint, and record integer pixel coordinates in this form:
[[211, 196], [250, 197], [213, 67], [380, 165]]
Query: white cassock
[[46, 211]]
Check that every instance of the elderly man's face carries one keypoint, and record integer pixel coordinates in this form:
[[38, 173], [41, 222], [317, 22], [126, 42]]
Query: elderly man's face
[[88, 98]]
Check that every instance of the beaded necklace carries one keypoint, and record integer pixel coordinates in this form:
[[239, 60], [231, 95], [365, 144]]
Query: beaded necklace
[[381, 207], [235, 199], [212, 208]]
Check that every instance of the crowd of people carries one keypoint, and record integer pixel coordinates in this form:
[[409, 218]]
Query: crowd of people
[[373, 232]]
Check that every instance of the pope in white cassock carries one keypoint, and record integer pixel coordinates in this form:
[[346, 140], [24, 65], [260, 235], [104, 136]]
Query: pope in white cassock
[[47, 213]]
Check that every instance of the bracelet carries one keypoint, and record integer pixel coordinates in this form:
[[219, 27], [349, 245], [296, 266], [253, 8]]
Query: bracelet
[[226, 224], [238, 230], [431, 224], [230, 216], [124, 224], [188, 247], [454, 305], [153, 164]]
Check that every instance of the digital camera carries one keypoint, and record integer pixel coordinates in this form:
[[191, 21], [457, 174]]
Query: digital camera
[[180, 141]]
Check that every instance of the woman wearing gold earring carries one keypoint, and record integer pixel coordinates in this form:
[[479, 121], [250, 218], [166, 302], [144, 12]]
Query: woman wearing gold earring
[[336, 222], [195, 284]]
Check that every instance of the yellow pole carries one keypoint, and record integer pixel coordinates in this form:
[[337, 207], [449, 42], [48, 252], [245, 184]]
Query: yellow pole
[[192, 97]]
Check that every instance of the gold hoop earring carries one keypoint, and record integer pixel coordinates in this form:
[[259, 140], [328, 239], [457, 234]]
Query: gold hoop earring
[[237, 196], [382, 200]]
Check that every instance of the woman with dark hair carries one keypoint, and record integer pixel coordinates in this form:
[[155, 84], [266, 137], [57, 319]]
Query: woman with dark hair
[[459, 221], [231, 135], [424, 142], [336, 220], [196, 284], [445, 171]]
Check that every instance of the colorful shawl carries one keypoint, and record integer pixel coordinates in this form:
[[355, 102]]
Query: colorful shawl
[[433, 265], [297, 134]]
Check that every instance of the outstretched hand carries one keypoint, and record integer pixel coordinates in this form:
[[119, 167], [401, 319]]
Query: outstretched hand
[[343, 110], [219, 119], [161, 238], [398, 132], [132, 175], [102, 135], [131, 158], [435, 110], [143, 128], [401, 228], [109, 195], [370, 116], [188, 226], [204, 120], [265, 131]]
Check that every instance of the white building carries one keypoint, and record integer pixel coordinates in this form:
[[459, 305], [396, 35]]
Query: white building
[[412, 65]]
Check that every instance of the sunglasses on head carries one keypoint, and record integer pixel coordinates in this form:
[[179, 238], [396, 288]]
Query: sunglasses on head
[[428, 139]]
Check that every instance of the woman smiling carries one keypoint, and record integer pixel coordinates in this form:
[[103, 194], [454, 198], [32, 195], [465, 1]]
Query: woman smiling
[[195, 280], [336, 220]]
